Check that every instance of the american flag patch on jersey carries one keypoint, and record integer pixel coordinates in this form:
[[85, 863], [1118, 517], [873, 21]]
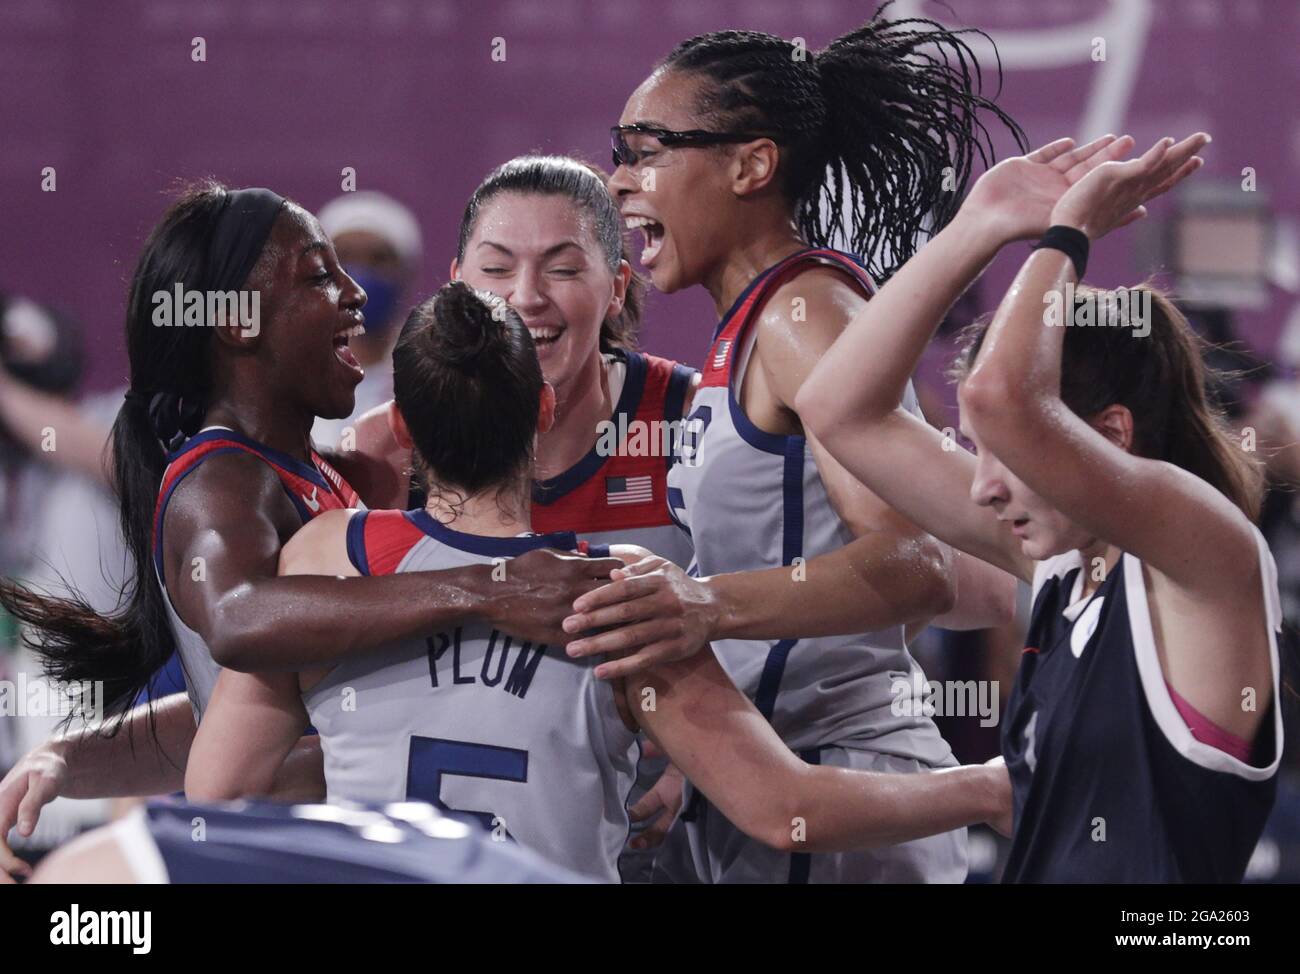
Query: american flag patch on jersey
[[720, 356], [628, 490]]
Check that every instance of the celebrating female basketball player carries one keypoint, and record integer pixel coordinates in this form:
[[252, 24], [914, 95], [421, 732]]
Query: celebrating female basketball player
[[234, 401], [733, 158], [544, 233], [517, 734], [1139, 735]]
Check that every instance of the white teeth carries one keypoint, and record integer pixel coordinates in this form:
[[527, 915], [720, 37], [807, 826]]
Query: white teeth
[[636, 222], [544, 334], [355, 331]]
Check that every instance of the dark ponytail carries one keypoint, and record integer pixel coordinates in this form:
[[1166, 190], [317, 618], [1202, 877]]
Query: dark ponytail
[[468, 384], [587, 187], [170, 384], [883, 124], [1161, 378]]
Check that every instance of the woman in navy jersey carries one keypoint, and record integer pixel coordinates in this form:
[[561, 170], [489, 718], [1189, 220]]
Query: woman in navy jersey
[[214, 470], [740, 159], [521, 736], [1144, 729]]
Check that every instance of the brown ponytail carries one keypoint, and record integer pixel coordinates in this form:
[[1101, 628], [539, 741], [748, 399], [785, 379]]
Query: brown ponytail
[[1161, 377]]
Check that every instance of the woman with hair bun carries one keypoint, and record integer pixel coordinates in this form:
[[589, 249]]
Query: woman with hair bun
[[514, 734]]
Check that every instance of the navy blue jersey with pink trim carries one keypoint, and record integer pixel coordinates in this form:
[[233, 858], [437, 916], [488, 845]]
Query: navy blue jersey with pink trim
[[1110, 784]]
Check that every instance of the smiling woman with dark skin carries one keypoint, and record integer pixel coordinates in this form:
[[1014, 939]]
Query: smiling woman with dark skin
[[221, 416]]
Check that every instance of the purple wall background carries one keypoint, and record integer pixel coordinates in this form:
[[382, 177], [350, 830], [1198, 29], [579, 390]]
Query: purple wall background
[[407, 93]]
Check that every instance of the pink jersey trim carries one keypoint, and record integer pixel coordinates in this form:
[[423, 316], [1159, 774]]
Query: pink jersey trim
[[1208, 732]]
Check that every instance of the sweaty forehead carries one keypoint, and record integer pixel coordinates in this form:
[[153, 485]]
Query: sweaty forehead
[[297, 228], [532, 223], [666, 99]]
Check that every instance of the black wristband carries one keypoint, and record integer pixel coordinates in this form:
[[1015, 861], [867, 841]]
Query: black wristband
[[1069, 241]]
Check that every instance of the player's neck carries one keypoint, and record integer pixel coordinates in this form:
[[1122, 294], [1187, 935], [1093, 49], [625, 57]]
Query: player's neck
[[744, 262], [582, 404], [253, 412], [1099, 559], [490, 513]]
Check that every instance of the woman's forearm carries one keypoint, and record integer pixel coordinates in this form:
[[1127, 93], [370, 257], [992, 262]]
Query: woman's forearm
[[879, 580], [986, 595], [731, 753], [1017, 377], [835, 809], [867, 369], [301, 777], [335, 617], [131, 762], [31, 416]]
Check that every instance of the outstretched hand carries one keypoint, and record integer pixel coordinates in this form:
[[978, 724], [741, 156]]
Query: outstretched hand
[[1014, 200], [1112, 194]]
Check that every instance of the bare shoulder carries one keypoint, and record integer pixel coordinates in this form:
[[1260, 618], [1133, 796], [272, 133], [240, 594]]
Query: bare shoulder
[[230, 484], [319, 547], [820, 298]]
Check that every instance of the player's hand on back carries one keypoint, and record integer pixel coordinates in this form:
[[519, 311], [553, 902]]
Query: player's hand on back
[[537, 589], [35, 781], [652, 612]]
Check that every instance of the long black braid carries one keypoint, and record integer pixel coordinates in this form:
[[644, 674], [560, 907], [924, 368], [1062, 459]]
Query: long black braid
[[888, 115]]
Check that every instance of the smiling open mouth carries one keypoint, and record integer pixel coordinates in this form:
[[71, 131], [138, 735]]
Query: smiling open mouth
[[652, 233], [343, 352], [544, 335]]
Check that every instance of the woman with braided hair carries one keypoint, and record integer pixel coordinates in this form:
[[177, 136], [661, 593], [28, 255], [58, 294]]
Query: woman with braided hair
[[742, 158]]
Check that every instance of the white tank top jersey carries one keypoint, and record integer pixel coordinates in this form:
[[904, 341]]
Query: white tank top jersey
[[313, 488], [753, 500], [516, 735]]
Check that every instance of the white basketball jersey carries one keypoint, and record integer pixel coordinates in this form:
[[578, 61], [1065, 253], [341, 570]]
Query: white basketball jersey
[[517, 735], [753, 500]]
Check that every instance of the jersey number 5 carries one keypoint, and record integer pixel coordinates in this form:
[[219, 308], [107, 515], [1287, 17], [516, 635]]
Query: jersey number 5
[[432, 757]]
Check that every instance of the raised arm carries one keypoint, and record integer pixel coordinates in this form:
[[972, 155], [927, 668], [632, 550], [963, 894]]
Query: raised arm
[[82, 442], [1182, 526], [851, 400]]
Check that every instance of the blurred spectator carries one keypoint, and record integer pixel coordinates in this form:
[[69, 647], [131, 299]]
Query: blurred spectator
[[60, 521], [378, 242]]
